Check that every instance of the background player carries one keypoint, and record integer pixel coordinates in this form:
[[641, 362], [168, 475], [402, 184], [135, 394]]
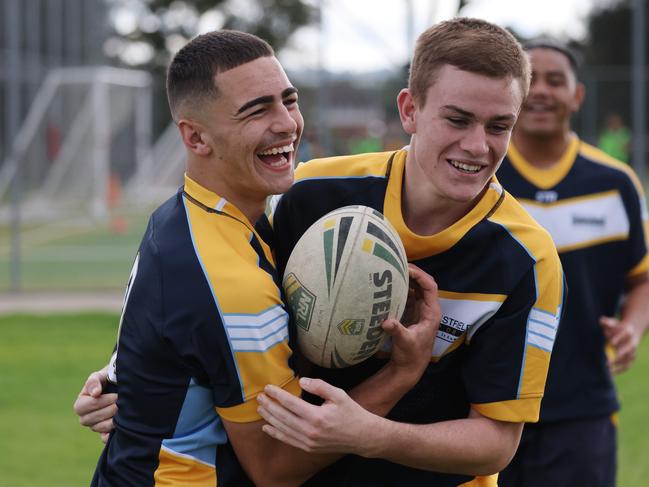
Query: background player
[[203, 328], [499, 276], [594, 208]]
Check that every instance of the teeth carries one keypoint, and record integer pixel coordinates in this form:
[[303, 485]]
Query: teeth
[[277, 150], [465, 167], [279, 163]]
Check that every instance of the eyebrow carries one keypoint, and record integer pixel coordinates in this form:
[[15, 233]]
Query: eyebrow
[[471, 115], [261, 100], [556, 72]]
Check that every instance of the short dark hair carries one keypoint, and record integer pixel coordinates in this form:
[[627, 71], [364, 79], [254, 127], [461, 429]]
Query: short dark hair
[[472, 45], [191, 73], [556, 45]]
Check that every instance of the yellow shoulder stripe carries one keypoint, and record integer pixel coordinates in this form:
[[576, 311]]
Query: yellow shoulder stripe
[[598, 156], [374, 164]]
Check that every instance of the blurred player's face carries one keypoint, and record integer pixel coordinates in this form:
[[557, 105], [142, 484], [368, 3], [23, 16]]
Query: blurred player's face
[[460, 135], [252, 129], [554, 95]]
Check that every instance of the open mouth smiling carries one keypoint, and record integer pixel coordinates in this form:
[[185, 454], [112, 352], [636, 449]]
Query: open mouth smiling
[[465, 166], [276, 156]]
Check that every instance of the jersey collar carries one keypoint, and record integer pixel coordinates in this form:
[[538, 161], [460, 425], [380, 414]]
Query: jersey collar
[[213, 201], [545, 178], [421, 246]]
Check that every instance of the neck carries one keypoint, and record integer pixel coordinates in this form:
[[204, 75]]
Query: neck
[[425, 212], [250, 205], [542, 151]]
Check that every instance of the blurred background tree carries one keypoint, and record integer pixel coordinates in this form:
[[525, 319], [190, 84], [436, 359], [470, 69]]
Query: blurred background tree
[[148, 32]]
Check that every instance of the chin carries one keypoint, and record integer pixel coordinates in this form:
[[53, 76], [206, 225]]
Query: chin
[[282, 187], [468, 194], [538, 130]]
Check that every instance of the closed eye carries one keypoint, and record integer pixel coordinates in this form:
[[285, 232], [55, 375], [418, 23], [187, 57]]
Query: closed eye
[[458, 122], [499, 129], [256, 112]]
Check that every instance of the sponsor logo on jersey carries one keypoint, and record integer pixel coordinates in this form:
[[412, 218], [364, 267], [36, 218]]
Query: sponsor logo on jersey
[[546, 196], [300, 300], [598, 221], [450, 329]]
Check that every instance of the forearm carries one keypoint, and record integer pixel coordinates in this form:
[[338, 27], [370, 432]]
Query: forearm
[[288, 466], [269, 462], [635, 310], [470, 446], [380, 392], [377, 394]]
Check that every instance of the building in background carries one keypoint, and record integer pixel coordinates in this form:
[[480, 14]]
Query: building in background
[[36, 36]]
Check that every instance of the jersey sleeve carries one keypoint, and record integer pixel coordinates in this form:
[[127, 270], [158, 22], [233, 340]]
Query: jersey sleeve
[[223, 313], [508, 358], [636, 207]]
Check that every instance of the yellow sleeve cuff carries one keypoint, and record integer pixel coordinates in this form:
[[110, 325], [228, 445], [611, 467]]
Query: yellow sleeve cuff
[[641, 268], [515, 411], [489, 481], [247, 412]]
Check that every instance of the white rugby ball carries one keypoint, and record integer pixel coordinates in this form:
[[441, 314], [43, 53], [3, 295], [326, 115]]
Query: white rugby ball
[[345, 276]]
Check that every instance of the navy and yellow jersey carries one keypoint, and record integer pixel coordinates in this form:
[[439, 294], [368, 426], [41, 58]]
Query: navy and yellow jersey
[[594, 208], [500, 286], [203, 331]]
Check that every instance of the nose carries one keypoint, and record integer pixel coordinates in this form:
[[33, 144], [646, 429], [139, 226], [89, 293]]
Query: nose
[[538, 87], [284, 121], [474, 141]]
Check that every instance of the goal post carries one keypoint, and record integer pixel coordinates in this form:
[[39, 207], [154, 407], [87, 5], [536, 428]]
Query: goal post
[[85, 125]]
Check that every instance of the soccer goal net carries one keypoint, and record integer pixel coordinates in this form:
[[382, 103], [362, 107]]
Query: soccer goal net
[[87, 133]]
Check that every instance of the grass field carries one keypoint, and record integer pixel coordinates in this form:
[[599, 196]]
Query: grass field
[[73, 255], [43, 363], [45, 359]]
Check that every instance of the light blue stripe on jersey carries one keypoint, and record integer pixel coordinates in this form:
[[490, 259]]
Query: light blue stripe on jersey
[[542, 329], [256, 332], [197, 442]]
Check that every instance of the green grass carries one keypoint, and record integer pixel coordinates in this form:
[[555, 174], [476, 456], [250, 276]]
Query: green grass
[[43, 363], [44, 360], [633, 387], [63, 256]]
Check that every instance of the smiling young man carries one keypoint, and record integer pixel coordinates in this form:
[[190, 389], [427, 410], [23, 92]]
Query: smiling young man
[[594, 208], [499, 276], [204, 329]]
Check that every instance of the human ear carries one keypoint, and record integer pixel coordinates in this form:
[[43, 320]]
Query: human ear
[[578, 98], [193, 137], [407, 111]]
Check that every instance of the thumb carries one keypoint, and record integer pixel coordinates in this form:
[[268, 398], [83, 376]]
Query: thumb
[[393, 327], [321, 388], [94, 384], [608, 324]]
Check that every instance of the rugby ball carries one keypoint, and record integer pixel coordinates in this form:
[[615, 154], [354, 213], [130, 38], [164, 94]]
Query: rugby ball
[[345, 276]]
